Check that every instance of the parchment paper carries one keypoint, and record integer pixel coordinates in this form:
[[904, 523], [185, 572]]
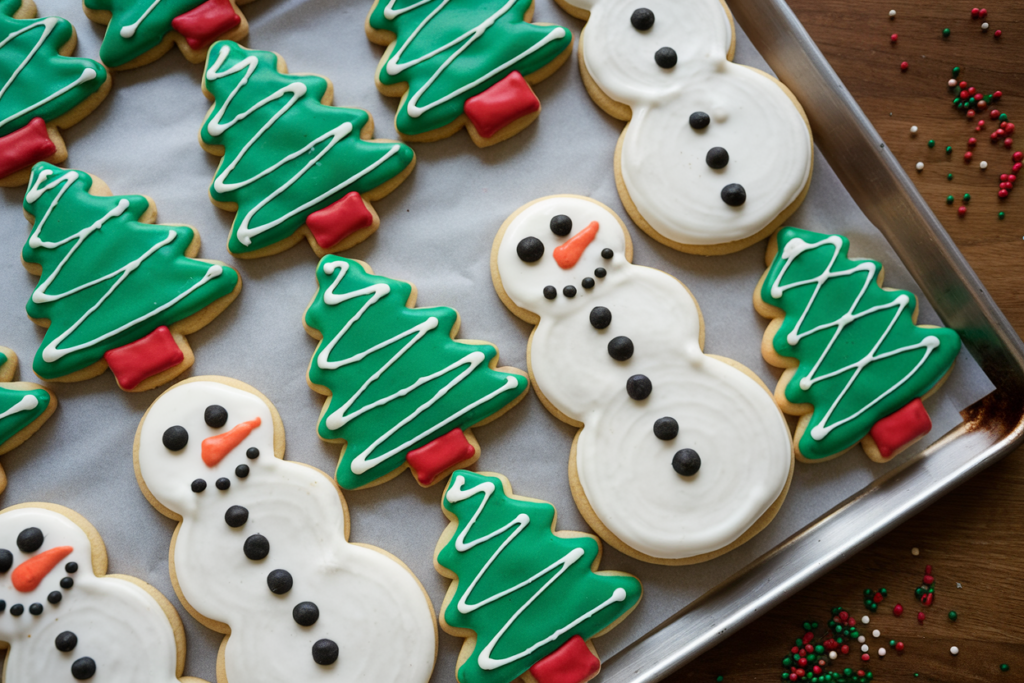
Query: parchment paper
[[436, 232]]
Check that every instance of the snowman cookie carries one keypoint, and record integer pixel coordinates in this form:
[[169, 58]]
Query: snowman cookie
[[62, 620], [24, 407], [261, 551], [715, 155], [680, 456]]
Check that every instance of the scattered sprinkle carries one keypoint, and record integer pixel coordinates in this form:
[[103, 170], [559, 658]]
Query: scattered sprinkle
[[835, 655], [952, 616], [963, 212], [862, 639], [892, 14], [864, 648], [967, 198], [904, 66], [983, 13], [899, 646], [894, 37], [1004, 667], [954, 650], [876, 633], [983, 166], [945, 33], [997, 33], [913, 130], [984, 26], [881, 652], [949, 200], [920, 166], [949, 149], [898, 609], [931, 143], [949, 176], [865, 619]]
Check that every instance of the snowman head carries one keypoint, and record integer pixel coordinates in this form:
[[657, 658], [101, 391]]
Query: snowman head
[[644, 51], [42, 552], [199, 437], [558, 251]]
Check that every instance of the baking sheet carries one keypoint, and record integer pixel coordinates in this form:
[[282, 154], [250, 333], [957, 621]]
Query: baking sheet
[[436, 231]]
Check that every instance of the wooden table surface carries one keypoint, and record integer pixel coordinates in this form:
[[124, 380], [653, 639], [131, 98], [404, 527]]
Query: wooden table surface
[[974, 536]]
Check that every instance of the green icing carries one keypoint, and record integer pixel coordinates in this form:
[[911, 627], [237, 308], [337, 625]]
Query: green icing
[[16, 405], [502, 543], [449, 384], [861, 358], [447, 51], [136, 26], [34, 79], [107, 279], [286, 154]]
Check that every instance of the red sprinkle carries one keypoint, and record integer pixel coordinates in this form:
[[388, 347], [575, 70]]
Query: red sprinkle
[[974, 15], [997, 33], [904, 66], [928, 579], [860, 673], [845, 649], [893, 38], [928, 597], [1010, 127], [970, 142], [997, 94], [1008, 142], [962, 210], [843, 616], [1004, 177], [994, 114], [967, 157], [879, 597], [865, 657], [899, 646], [971, 113], [1012, 178], [983, 13], [1018, 156], [1017, 167], [982, 104], [898, 610]]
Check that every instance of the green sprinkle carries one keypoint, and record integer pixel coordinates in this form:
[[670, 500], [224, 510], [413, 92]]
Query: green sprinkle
[[931, 143], [956, 71], [720, 679], [949, 150], [945, 33], [787, 662], [1002, 215], [884, 592], [892, 643], [967, 198], [949, 199], [1003, 117], [819, 649], [952, 615], [949, 176], [1004, 667]]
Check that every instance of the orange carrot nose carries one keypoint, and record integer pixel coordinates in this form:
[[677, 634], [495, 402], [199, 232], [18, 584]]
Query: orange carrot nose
[[215, 448], [569, 253], [29, 573]]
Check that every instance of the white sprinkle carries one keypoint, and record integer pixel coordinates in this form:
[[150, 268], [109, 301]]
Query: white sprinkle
[[983, 165], [892, 14], [865, 619], [833, 655], [881, 652], [861, 639], [958, 583], [954, 650], [952, 83], [913, 130], [876, 633], [864, 648], [984, 26], [915, 552], [920, 167]]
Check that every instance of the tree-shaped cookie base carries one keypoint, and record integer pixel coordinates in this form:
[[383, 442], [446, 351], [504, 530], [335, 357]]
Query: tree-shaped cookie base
[[42, 89], [856, 364], [526, 598], [456, 63], [293, 165], [114, 290], [402, 390], [142, 31], [24, 407]]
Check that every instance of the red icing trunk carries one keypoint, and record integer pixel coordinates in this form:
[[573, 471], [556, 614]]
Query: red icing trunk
[[902, 427], [509, 99], [24, 147], [444, 452], [151, 355], [209, 20], [334, 223], [571, 663]]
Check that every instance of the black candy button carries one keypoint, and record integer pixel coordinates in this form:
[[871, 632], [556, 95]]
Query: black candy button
[[305, 614], [223, 483], [607, 253], [561, 225], [236, 516], [175, 438], [242, 471], [83, 669], [6, 560], [35, 609], [569, 291], [30, 539], [198, 486], [67, 582], [252, 453], [666, 58], [54, 597], [642, 19], [638, 387], [215, 416], [66, 641], [734, 194], [699, 120], [550, 292], [71, 567], [686, 462], [17, 610], [588, 283], [621, 348], [325, 652], [530, 249], [256, 547], [600, 272], [3, 606], [717, 158], [666, 428], [600, 317], [279, 581]]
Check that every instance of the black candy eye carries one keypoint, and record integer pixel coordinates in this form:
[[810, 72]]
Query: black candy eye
[[642, 19], [30, 540], [561, 225], [734, 194], [530, 249], [666, 58], [717, 158], [588, 282], [699, 120], [215, 416], [686, 462], [175, 438], [550, 292], [6, 560], [607, 253], [569, 291]]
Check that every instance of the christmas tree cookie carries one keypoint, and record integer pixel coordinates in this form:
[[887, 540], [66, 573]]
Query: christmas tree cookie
[[42, 88], [24, 407], [402, 391], [527, 599], [294, 166], [856, 364], [141, 31], [466, 63], [114, 290]]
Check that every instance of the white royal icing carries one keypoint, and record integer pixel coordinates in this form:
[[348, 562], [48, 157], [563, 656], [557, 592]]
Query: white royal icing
[[625, 470], [28, 402], [370, 606], [119, 625], [128, 30], [663, 162]]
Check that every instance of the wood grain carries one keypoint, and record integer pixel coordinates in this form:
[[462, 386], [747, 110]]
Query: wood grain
[[974, 535]]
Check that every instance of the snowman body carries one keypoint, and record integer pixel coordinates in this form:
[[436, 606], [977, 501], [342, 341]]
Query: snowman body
[[105, 625], [368, 606], [623, 466], [672, 183]]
